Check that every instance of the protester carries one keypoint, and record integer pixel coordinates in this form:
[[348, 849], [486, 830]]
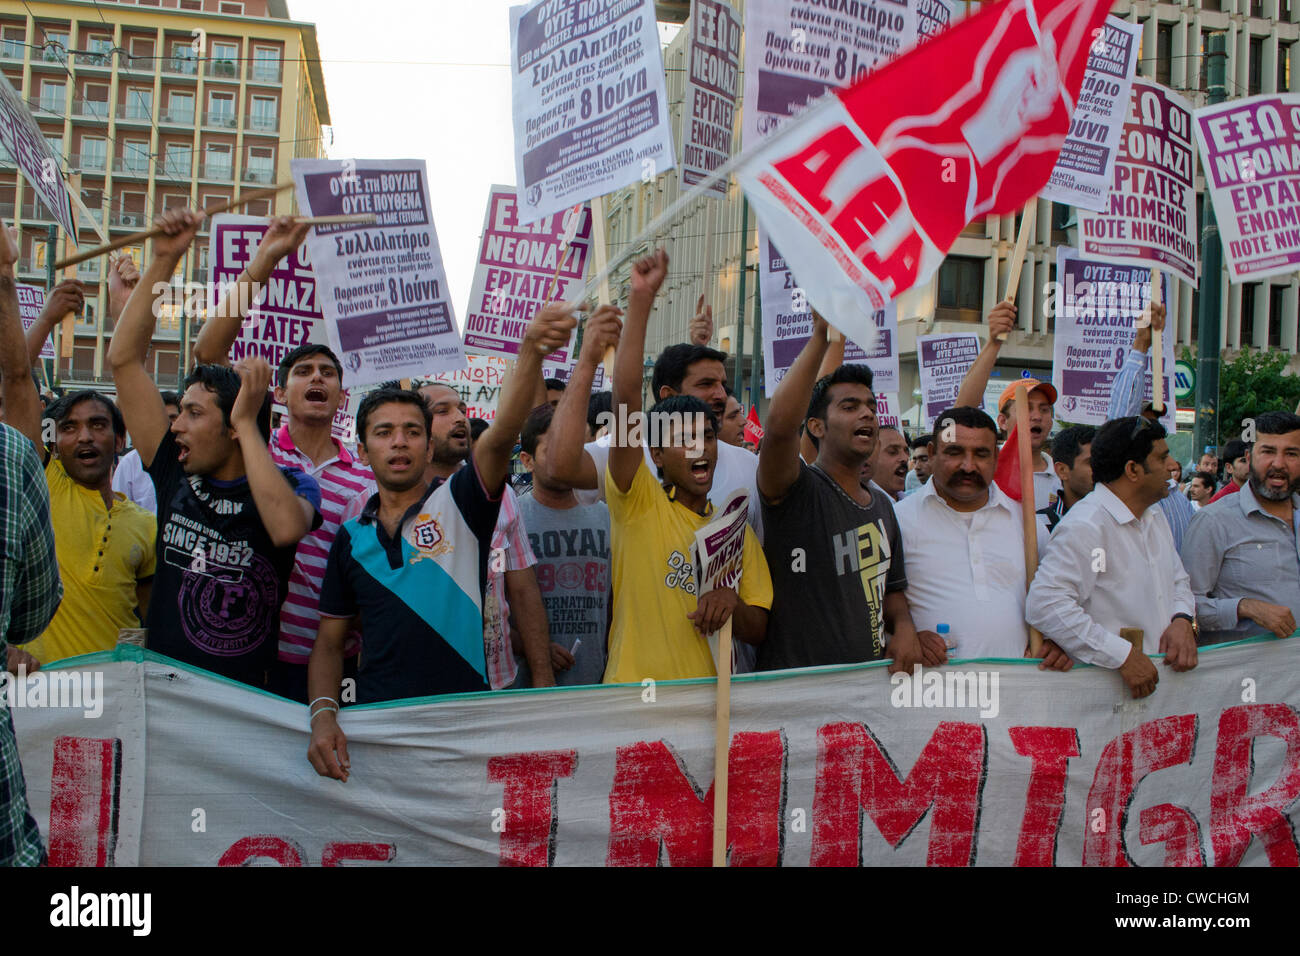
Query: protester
[[29, 596], [732, 429], [1175, 473], [309, 383], [477, 426], [105, 542], [834, 548], [229, 518], [1240, 553], [660, 626], [554, 390], [1209, 463], [1040, 398], [1236, 458], [920, 460], [1112, 564], [964, 541], [1072, 462], [600, 403], [571, 542], [1200, 490], [888, 463], [129, 476], [414, 564]]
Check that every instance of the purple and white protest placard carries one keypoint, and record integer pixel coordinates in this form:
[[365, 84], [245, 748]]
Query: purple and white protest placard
[[932, 17], [943, 361], [888, 411], [519, 270], [478, 384], [1097, 304], [718, 552], [712, 77], [31, 300], [1083, 171], [788, 321], [285, 313], [1250, 158], [590, 108], [23, 140], [1150, 215], [382, 287]]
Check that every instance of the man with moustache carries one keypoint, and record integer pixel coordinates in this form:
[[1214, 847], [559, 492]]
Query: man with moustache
[[1072, 461], [887, 466], [964, 540], [731, 429], [1241, 553]]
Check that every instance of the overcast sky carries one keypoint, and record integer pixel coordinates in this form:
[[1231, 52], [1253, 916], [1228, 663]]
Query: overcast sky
[[424, 79]]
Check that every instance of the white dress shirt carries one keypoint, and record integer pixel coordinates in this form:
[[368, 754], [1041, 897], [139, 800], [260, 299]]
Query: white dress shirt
[[966, 570], [132, 480], [1105, 569]]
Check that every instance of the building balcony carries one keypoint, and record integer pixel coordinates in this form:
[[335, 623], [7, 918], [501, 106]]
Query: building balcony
[[6, 212], [47, 107], [12, 49], [256, 175], [220, 120], [34, 211], [127, 220], [52, 54], [93, 163], [217, 173], [131, 166], [88, 271], [222, 69], [137, 65], [28, 267], [264, 71], [89, 109], [177, 117], [181, 66], [100, 60], [134, 113], [261, 124], [175, 171]]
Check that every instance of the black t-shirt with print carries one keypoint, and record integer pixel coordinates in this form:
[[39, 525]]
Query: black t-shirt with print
[[220, 579]]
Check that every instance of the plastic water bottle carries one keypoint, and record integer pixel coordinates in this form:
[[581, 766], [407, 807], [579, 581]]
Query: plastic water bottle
[[942, 630]]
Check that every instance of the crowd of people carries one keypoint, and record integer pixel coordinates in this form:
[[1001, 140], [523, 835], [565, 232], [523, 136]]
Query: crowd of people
[[411, 566]]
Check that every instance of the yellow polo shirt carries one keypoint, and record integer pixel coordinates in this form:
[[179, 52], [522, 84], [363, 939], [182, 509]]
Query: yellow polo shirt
[[102, 555], [655, 587]]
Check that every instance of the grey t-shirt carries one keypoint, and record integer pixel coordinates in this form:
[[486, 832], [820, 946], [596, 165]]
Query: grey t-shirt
[[832, 563], [572, 550]]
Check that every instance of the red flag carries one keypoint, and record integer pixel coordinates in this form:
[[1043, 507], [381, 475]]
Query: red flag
[[753, 427], [869, 192], [1007, 474]]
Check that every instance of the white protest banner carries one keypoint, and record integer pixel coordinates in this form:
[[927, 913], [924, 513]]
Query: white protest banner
[[943, 361], [382, 287], [1150, 215], [788, 321], [871, 187], [519, 270], [887, 411], [797, 51], [590, 108], [1096, 306], [22, 139], [31, 300], [478, 384], [1250, 158], [712, 78], [1083, 171], [991, 763]]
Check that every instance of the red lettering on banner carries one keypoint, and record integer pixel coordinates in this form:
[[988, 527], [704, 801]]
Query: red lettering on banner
[[263, 846], [84, 799], [855, 773], [531, 795], [1049, 750], [1176, 828], [656, 805], [1124, 762], [335, 853], [1235, 817], [810, 170]]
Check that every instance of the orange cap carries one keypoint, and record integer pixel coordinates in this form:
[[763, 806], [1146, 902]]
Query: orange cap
[[1032, 384]]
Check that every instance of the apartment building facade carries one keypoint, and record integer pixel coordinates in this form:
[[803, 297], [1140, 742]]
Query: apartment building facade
[[1262, 56], [151, 105]]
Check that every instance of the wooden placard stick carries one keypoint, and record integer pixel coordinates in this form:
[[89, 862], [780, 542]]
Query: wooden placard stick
[[722, 746], [357, 219], [710, 213], [1157, 350], [137, 238], [68, 324], [1027, 502], [1018, 256], [598, 252]]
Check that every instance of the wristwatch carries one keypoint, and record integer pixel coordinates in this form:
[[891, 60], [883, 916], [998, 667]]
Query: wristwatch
[[1196, 631]]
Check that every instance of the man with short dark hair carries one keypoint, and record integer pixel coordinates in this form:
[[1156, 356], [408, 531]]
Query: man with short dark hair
[[834, 547], [1236, 468], [554, 391], [888, 463], [105, 542], [229, 518], [964, 540], [598, 405], [920, 460], [1072, 461], [731, 428], [1241, 553], [129, 476], [1200, 490], [1111, 564]]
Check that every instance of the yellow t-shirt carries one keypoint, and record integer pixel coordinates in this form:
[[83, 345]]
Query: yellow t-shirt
[[102, 554], [654, 584]]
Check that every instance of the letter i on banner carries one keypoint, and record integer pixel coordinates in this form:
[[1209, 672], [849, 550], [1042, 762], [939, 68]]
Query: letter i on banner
[[1018, 257], [1157, 350], [1027, 496]]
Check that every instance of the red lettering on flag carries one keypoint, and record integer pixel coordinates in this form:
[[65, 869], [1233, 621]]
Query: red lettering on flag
[[84, 799], [263, 846], [531, 797], [1049, 750], [1236, 817], [335, 853]]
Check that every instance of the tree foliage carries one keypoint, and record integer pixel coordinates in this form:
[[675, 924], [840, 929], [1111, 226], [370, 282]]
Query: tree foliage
[[1252, 383]]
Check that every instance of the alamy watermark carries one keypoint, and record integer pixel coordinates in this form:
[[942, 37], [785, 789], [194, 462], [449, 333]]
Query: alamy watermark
[[946, 689], [656, 429], [67, 689]]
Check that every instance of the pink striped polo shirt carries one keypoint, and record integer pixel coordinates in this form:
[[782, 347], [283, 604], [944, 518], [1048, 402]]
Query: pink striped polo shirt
[[341, 479]]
